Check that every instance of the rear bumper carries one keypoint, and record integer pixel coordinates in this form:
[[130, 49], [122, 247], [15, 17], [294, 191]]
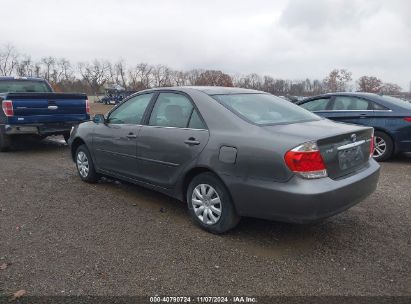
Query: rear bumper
[[300, 200], [40, 129]]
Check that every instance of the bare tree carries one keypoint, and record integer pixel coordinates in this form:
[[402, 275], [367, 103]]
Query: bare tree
[[250, 81], [369, 84], [179, 78], [390, 88], [48, 64], [140, 77], [95, 73], [26, 67], [337, 80], [161, 76], [8, 60], [121, 74], [214, 78], [193, 76]]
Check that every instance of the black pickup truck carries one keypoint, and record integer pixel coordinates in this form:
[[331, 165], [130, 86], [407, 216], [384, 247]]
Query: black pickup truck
[[30, 107]]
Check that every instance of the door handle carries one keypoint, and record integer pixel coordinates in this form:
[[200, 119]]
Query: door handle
[[131, 136], [363, 115], [192, 141]]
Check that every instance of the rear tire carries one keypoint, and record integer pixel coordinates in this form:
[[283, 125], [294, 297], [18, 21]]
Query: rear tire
[[210, 204], [85, 165], [5, 141], [383, 146]]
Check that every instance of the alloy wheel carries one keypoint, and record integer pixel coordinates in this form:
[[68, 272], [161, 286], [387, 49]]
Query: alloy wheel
[[380, 146]]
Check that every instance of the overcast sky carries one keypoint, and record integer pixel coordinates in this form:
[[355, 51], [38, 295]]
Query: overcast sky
[[292, 39]]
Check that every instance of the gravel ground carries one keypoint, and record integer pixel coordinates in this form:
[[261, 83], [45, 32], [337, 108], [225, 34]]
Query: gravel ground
[[60, 236]]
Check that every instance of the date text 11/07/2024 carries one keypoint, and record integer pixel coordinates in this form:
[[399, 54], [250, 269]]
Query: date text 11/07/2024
[[203, 299]]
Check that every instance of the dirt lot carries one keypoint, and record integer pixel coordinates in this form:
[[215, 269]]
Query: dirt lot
[[60, 236]]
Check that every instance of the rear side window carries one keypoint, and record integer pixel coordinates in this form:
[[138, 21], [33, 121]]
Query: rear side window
[[347, 103], [378, 107], [396, 101], [23, 86], [265, 109], [132, 111], [171, 110], [316, 104], [195, 121]]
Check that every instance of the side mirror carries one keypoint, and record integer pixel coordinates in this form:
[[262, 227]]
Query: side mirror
[[99, 118]]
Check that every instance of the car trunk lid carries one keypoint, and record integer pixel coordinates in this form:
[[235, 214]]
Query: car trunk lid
[[346, 153], [345, 148]]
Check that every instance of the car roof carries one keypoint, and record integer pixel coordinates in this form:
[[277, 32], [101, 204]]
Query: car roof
[[358, 94], [370, 96], [21, 78], [212, 90]]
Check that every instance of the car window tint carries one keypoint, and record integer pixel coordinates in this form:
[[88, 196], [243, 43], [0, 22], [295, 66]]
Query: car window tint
[[132, 111], [171, 110], [316, 105], [378, 106], [23, 86], [195, 121], [347, 103], [264, 109], [389, 100]]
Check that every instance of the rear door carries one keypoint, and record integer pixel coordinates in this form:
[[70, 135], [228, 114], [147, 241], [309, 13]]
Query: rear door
[[351, 109], [115, 142], [174, 136]]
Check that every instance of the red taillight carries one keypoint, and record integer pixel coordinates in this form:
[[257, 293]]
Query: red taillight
[[372, 146], [87, 106], [306, 160], [407, 119], [7, 106]]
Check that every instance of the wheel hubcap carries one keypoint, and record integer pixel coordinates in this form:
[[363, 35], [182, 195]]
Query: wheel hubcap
[[380, 146], [206, 204], [82, 164]]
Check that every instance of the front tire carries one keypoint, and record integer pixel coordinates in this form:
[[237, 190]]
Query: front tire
[[85, 165], [210, 204], [383, 146]]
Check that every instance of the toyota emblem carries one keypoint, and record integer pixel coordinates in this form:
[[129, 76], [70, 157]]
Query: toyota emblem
[[353, 137]]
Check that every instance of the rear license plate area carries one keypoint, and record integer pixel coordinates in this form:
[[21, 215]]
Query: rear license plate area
[[350, 158]]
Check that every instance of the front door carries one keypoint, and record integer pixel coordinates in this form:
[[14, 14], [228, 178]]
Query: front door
[[174, 136], [115, 142]]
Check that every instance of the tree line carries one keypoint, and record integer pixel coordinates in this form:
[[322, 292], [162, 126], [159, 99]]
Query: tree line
[[93, 76]]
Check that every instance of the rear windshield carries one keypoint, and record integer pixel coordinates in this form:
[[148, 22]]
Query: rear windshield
[[265, 109], [23, 86], [396, 101]]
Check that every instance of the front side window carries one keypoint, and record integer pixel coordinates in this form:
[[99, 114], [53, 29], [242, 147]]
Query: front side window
[[316, 104], [265, 109], [171, 110], [348, 103], [132, 111]]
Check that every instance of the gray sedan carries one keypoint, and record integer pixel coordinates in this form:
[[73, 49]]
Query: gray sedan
[[229, 153]]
